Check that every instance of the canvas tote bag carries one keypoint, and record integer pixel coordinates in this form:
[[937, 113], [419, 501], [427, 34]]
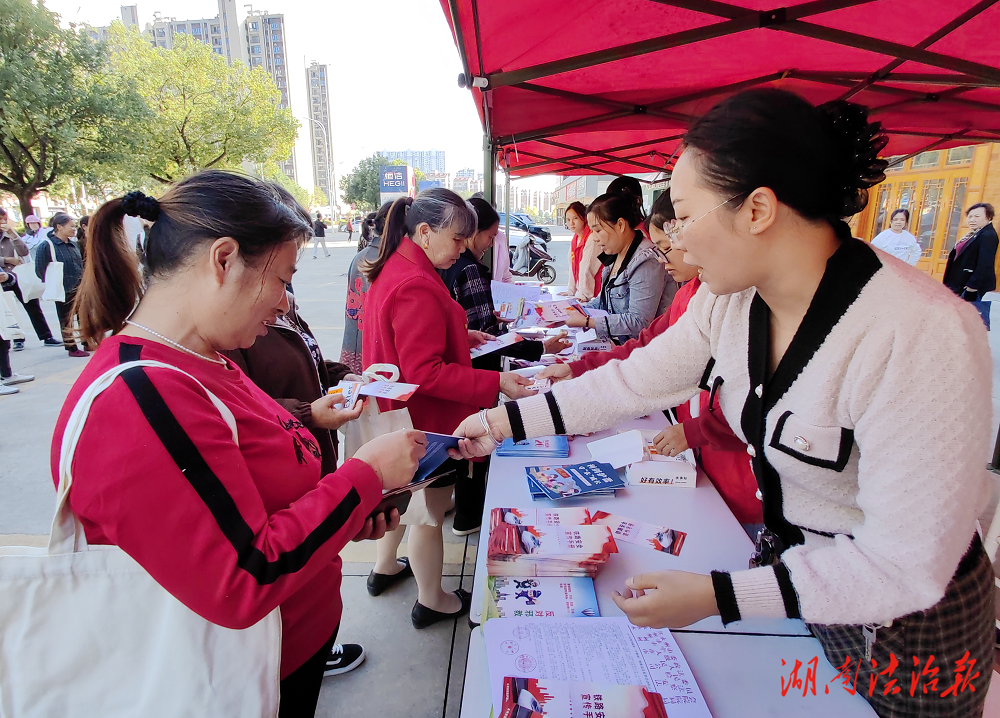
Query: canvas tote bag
[[28, 282], [372, 421], [86, 632], [54, 290]]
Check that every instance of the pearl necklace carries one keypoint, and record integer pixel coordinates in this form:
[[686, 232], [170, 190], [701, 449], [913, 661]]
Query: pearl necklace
[[171, 342]]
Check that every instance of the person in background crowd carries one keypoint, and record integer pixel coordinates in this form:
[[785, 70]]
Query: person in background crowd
[[319, 235], [214, 280], [81, 236], [14, 252], [412, 322], [584, 265], [500, 270], [350, 230], [7, 376], [469, 283], [897, 241], [367, 227], [60, 239], [634, 290], [357, 288], [969, 272], [33, 233], [872, 482], [722, 454]]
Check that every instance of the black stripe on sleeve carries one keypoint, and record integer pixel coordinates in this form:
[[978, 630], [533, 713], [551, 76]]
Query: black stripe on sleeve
[[788, 595], [218, 500], [516, 423], [557, 420], [725, 597]]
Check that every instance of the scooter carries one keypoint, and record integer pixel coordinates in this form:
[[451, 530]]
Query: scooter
[[528, 258]]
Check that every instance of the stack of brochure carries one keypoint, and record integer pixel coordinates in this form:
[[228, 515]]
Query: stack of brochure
[[529, 551], [545, 447], [570, 481]]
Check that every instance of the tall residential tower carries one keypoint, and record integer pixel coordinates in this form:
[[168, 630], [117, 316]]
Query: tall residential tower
[[319, 129]]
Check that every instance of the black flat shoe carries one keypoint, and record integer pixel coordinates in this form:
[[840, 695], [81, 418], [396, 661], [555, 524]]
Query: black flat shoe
[[378, 582], [422, 617]]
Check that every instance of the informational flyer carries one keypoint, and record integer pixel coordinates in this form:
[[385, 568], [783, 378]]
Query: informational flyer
[[592, 650], [351, 391], [640, 533], [493, 345], [541, 698]]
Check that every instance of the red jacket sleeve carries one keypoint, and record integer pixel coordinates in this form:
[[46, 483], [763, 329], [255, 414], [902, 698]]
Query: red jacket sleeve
[[203, 532], [420, 334], [592, 360], [711, 429]]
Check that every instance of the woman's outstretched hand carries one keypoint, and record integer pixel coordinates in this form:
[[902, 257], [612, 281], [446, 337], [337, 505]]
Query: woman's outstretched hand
[[394, 457], [477, 442], [667, 599], [515, 386]]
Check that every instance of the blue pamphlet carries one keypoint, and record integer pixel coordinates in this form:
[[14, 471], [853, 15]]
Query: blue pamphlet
[[560, 482], [436, 454], [544, 446]]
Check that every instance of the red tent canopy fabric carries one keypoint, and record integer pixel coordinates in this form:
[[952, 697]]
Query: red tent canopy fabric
[[599, 87]]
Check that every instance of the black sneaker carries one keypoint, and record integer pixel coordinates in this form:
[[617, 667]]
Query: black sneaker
[[18, 345], [50, 342], [344, 658]]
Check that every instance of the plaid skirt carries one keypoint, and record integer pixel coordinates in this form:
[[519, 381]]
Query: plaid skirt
[[933, 663]]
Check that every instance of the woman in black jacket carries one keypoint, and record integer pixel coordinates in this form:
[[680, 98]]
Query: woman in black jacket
[[970, 271]]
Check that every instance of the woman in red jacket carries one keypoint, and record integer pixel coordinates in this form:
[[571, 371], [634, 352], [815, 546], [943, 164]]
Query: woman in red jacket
[[231, 530], [723, 455], [412, 321]]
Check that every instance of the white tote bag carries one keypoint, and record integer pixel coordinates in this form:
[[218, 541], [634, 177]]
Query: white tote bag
[[54, 290], [28, 282], [9, 328], [373, 422], [86, 632]]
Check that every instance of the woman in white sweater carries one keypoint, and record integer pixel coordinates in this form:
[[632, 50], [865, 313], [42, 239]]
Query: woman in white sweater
[[871, 479]]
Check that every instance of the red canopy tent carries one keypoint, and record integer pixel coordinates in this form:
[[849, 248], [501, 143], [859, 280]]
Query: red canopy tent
[[599, 87]]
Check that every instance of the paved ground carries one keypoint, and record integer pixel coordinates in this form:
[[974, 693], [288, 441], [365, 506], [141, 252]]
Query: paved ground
[[425, 669]]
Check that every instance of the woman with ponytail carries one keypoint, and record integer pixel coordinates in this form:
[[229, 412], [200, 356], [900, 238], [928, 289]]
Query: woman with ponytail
[[871, 482], [232, 530], [412, 321]]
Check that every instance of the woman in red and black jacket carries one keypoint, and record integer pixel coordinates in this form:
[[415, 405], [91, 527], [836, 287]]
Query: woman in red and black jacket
[[231, 530], [412, 321]]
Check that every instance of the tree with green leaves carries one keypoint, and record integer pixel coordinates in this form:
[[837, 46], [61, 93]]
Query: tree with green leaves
[[318, 198], [360, 186], [63, 111], [206, 112]]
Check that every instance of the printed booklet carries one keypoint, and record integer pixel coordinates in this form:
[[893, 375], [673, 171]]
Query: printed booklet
[[545, 447], [549, 698], [541, 596], [570, 480]]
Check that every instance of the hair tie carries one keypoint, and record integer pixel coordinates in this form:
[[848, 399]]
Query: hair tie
[[138, 204]]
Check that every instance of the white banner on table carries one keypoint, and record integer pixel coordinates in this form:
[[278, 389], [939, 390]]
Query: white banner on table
[[598, 650]]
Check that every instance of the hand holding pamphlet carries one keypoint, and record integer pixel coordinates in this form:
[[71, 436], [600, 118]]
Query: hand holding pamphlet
[[493, 345], [352, 391]]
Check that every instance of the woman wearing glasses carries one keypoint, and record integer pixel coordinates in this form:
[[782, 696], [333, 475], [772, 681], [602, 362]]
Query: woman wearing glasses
[[871, 481], [634, 290], [723, 455]]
